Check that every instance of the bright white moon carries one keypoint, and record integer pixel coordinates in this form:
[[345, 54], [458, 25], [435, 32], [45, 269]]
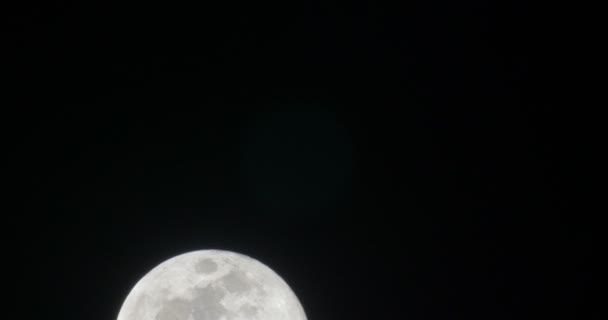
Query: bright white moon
[[211, 285]]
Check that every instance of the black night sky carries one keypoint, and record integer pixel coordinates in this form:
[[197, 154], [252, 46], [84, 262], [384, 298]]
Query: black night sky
[[390, 161]]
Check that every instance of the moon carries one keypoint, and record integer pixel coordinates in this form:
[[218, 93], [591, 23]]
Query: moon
[[211, 285]]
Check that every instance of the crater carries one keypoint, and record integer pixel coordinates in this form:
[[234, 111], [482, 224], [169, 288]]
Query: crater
[[236, 282], [207, 304], [206, 266]]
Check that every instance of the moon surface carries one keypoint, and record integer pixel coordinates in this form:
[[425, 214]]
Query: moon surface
[[211, 285]]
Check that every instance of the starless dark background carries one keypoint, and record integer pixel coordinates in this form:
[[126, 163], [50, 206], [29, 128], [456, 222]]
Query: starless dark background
[[390, 161]]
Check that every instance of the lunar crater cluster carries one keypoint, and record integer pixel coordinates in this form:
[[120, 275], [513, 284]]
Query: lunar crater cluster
[[211, 285]]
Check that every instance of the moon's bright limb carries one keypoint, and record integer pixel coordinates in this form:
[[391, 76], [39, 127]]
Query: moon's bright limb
[[211, 285]]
